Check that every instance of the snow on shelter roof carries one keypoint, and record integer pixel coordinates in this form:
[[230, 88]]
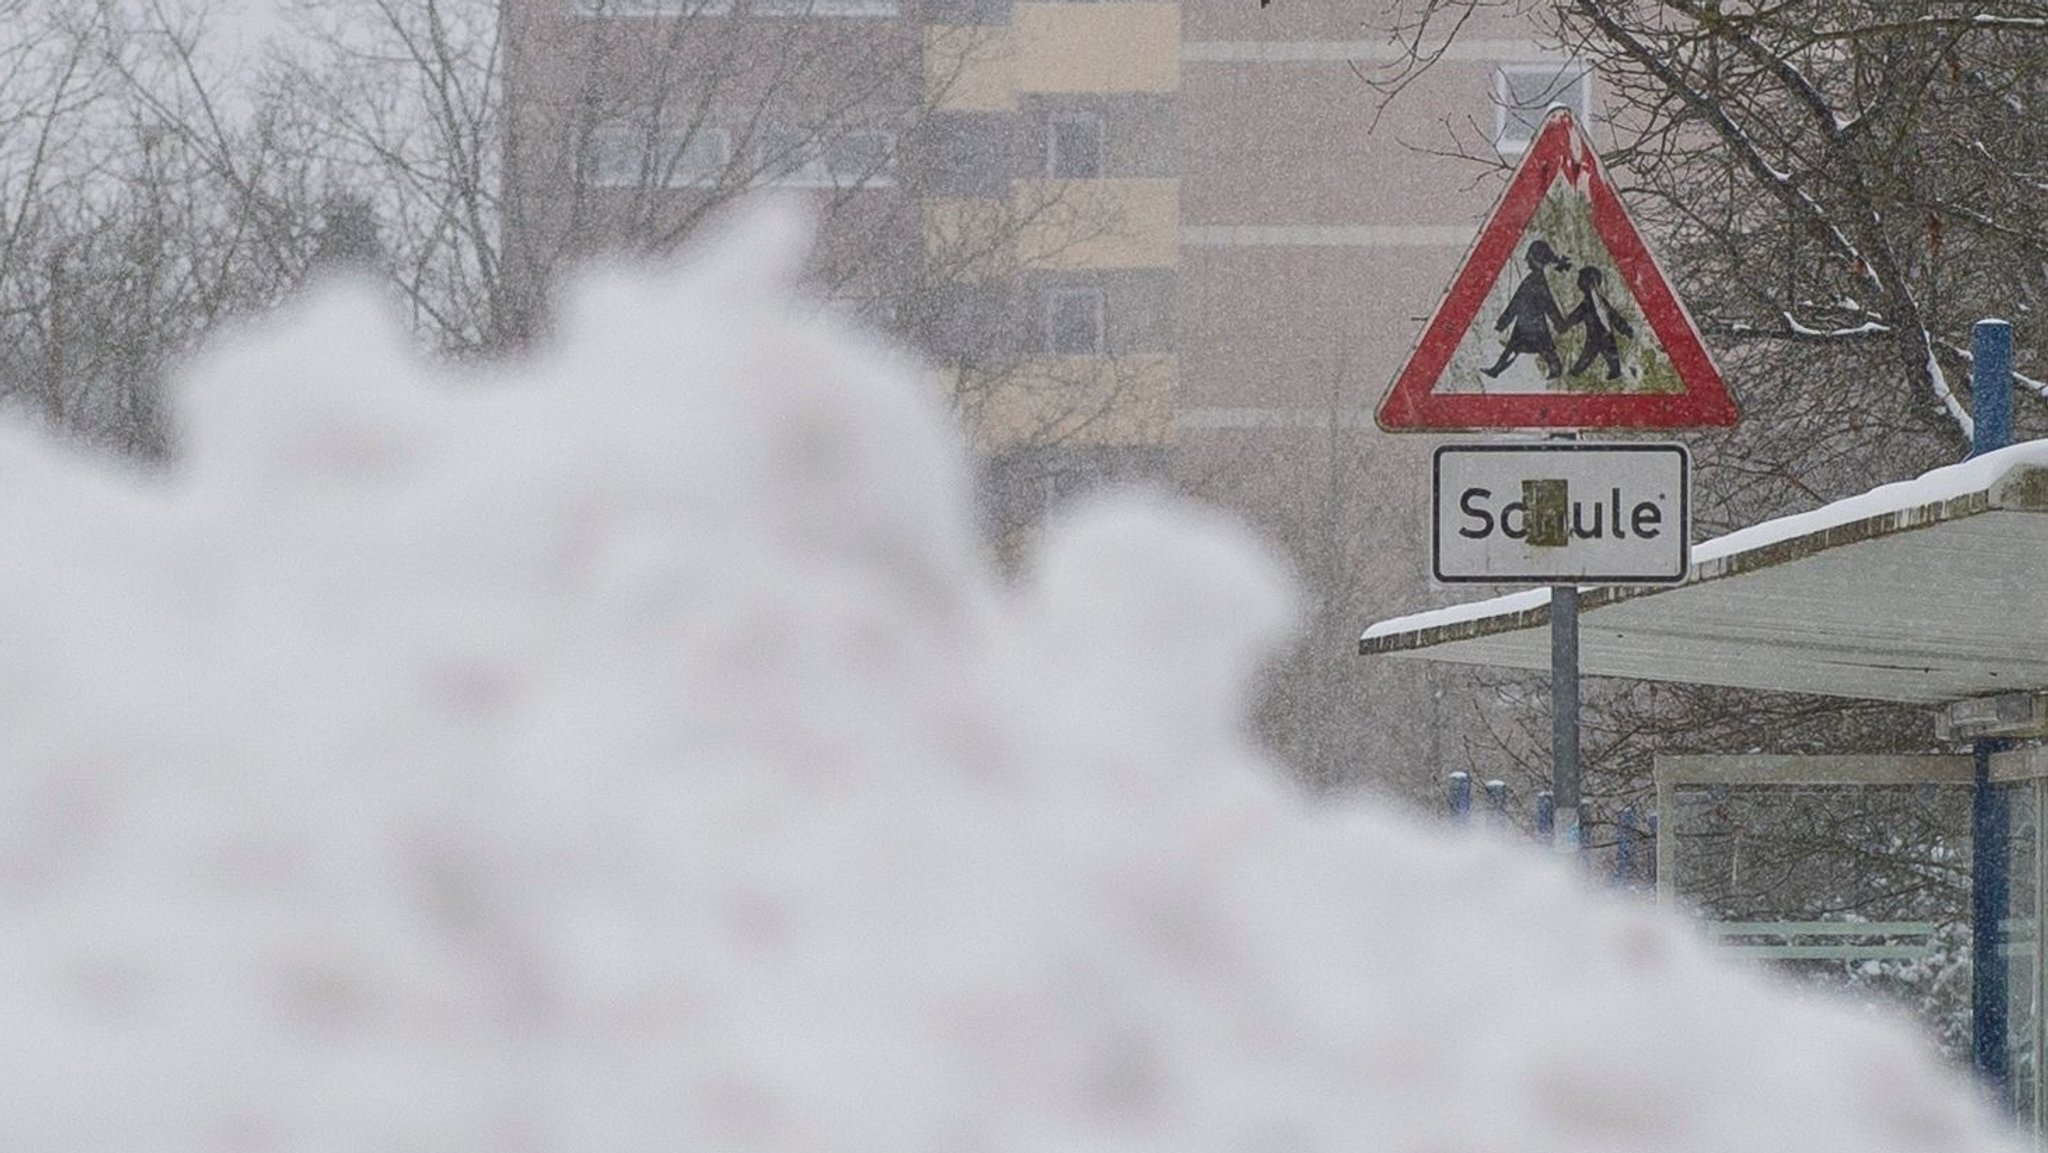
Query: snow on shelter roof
[[1925, 591]]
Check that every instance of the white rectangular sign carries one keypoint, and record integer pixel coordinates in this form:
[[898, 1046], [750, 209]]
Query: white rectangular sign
[[1551, 513]]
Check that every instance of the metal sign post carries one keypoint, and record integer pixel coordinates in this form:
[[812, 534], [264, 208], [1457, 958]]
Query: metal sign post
[[1564, 716], [1562, 512], [1560, 319]]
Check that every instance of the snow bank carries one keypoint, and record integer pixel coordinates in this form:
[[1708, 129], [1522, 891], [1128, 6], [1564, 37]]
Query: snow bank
[[637, 753]]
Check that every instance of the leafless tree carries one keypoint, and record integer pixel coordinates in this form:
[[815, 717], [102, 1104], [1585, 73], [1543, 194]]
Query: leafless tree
[[132, 217], [499, 142], [468, 150], [1839, 188]]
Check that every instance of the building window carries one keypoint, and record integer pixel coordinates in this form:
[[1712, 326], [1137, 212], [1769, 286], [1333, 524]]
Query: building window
[[869, 304], [1073, 147], [646, 8], [801, 158], [627, 155], [1019, 488], [642, 8], [1523, 94], [1073, 322], [612, 159], [863, 158], [823, 7], [699, 158], [782, 154]]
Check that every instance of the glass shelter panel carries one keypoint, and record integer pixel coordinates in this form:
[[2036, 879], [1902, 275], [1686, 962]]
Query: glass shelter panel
[[2022, 948], [1856, 872], [1862, 888]]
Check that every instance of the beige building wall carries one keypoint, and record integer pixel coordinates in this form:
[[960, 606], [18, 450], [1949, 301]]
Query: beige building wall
[[1086, 95], [1319, 229], [1260, 240]]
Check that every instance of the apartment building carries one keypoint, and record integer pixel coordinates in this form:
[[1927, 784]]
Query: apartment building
[[1166, 238], [1084, 97], [1320, 223]]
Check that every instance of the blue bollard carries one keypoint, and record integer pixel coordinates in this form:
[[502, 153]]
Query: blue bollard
[[1990, 386], [1654, 857], [1625, 846], [1461, 798]]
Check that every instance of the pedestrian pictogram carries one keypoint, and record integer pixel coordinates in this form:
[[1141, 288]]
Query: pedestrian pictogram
[[1560, 317]]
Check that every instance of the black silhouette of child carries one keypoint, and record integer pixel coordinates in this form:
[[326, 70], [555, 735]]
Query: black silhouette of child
[[1602, 323], [1532, 312]]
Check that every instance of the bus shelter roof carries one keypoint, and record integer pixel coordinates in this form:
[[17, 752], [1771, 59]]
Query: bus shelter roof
[[1927, 591]]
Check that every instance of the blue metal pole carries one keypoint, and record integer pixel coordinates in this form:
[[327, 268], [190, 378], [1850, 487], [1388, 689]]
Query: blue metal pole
[[1991, 386], [1989, 869], [1990, 854], [1654, 856], [1625, 845], [1496, 804], [1461, 798], [1546, 815]]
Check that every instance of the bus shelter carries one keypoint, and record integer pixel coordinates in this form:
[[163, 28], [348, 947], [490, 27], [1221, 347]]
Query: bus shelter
[[1929, 592]]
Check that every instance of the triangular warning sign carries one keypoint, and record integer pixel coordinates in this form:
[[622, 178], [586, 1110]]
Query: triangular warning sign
[[1560, 317]]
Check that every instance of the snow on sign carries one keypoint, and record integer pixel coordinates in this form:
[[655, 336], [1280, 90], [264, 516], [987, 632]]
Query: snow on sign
[[1549, 513], [1560, 317]]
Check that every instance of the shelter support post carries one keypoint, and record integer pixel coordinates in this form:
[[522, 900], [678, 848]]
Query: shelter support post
[[1990, 997], [1990, 854]]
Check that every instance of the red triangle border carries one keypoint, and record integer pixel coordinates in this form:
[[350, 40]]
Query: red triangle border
[[1412, 405]]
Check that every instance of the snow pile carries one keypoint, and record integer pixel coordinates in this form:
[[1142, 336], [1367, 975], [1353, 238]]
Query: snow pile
[[638, 754]]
